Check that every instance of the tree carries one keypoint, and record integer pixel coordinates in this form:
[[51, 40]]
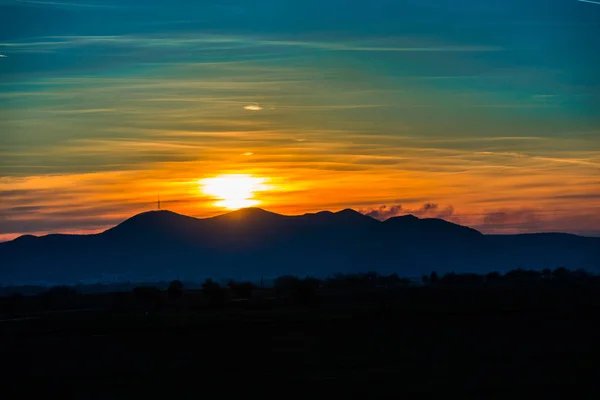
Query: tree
[[492, 277], [561, 274], [148, 296], [59, 296], [392, 280], [285, 284], [213, 293], [210, 285], [546, 274], [449, 278], [241, 290], [305, 292], [580, 274], [300, 291], [175, 290], [434, 278]]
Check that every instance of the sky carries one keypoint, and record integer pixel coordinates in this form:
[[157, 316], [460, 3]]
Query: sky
[[484, 113]]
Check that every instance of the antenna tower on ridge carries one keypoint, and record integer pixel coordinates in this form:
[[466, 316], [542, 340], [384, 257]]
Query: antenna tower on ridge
[[158, 200]]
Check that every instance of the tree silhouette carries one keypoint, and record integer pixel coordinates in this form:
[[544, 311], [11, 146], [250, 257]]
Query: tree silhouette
[[175, 290], [546, 274], [560, 274], [300, 291], [493, 277], [59, 297], [449, 278], [285, 284], [393, 280], [213, 293], [425, 279], [241, 290], [209, 285], [147, 296]]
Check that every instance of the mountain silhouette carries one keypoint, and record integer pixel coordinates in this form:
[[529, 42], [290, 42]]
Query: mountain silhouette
[[252, 242]]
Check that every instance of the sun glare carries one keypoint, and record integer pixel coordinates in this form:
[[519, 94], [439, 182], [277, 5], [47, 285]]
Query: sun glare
[[234, 191]]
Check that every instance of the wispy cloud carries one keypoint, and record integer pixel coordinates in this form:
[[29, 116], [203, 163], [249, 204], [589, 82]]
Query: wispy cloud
[[562, 160], [589, 1], [66, 4], [215, 42]]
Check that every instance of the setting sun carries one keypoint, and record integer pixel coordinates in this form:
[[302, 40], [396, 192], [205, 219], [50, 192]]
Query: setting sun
[[234, 191]]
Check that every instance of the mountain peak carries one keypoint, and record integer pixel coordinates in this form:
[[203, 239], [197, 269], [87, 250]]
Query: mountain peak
[[406, 217], [154, 215], [250, 212], [348, 211], [150, 220], [349, 215]]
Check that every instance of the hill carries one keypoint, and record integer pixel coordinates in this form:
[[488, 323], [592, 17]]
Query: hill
[[250, 243]]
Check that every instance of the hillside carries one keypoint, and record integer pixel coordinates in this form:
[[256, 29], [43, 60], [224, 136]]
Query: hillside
[[250, 243]]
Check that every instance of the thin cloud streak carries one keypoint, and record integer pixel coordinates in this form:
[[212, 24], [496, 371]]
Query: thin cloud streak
[[63, 4], [215, 42]]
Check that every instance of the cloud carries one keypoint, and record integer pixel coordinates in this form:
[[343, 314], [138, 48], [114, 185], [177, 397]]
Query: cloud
[[340, 46], [63, 4], [383, 212], [579, 196], [253, 107], [3, 56], [432, 210], [560, 160], [427, 210], [227, 42]]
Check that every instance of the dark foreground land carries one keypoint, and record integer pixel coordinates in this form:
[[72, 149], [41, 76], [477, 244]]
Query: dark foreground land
[[478, 342]]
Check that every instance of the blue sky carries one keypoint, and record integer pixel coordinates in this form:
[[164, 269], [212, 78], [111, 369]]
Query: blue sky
[[486, 108]]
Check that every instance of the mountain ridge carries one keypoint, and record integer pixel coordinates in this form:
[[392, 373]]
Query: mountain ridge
[[243, 212], [253, 242]]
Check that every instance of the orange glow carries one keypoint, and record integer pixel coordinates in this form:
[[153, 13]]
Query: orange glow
[[234, 191]]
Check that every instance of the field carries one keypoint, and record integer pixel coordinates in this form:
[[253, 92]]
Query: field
[[415, 341]]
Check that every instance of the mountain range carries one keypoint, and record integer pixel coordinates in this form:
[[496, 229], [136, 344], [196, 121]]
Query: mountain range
[[250, 243]]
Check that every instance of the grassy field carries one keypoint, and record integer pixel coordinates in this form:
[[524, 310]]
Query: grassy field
[[378, 345]]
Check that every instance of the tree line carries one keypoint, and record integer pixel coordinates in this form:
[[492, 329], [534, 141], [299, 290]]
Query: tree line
[[293, 289]]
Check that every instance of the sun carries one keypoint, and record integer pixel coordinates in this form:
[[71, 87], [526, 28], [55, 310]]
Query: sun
[[234, 191]]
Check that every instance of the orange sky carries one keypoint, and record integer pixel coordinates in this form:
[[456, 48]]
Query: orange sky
[[480, 128]]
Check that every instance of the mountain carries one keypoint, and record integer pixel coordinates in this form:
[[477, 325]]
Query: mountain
[[249, 243]]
